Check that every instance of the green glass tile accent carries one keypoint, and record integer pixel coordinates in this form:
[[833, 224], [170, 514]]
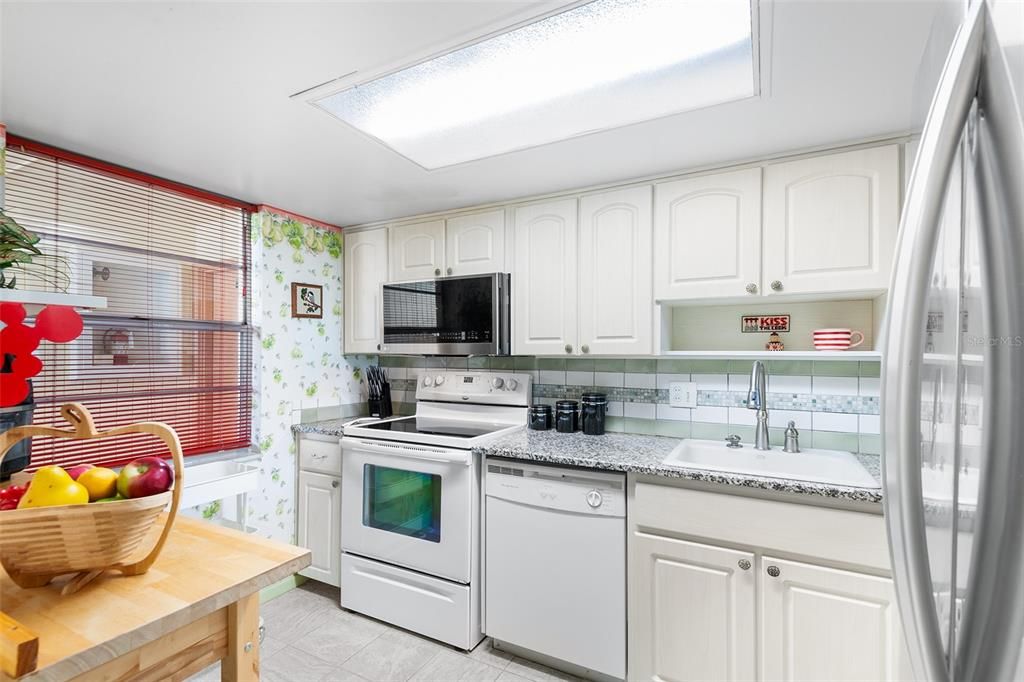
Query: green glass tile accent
[[434, 362], [830, 440], [504, 363], [614, 424], [479, 362], [634, 425], [673, 429], [524, 363], [709, 367], [789, 368], [639, 366], [609, 365], [740, 366], [551, 363], [672, 366], [391, 361], [834, 368], [708, 431], [871, 369], [777, 436], [870, 443], [456, 363], [579, 364]]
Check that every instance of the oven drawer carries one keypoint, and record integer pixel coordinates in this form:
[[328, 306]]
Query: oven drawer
[[436, 608], [319, 455]]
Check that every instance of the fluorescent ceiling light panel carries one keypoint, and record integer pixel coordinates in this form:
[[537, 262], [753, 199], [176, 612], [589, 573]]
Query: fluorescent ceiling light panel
[[600, 65]]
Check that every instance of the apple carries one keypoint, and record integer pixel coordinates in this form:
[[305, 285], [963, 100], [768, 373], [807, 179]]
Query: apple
[[76, 471], [145, 476]]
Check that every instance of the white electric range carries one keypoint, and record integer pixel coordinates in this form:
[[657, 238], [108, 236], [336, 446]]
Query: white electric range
[[410, 505]]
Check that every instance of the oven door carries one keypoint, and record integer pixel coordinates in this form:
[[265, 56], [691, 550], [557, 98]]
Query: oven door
[[447, 316], [409, 505]]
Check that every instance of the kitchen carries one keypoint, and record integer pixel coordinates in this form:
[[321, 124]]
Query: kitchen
[[528, 384]]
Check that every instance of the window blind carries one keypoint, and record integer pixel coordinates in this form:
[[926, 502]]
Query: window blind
[[174, 343]]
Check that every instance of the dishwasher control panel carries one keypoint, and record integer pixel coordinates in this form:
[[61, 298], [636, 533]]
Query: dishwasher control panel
[[570, 490]]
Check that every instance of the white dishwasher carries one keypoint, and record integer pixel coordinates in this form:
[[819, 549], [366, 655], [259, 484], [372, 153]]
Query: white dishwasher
[[555, 563]]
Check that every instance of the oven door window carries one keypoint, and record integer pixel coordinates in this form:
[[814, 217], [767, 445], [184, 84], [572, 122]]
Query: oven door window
[[402, 501]]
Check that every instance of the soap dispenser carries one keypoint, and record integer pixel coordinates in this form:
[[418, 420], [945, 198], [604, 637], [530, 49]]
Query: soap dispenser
[[792, 443]]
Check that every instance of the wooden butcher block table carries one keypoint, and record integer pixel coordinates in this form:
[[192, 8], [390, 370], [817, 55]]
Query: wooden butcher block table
[[199, 603]]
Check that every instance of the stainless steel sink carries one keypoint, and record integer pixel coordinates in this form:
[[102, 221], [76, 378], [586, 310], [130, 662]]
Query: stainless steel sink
[[817, 466]]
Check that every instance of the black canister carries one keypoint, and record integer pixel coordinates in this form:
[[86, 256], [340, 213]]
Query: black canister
[[592, 412], [566, 415], [540, 417]]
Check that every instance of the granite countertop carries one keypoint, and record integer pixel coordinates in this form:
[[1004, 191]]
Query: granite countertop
[[644, 454], [330, 427]]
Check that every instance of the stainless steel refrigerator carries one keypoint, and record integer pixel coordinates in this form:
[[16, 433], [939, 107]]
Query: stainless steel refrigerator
[[953, 379]]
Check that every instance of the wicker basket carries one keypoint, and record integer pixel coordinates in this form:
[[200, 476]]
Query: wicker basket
[[41, 543]]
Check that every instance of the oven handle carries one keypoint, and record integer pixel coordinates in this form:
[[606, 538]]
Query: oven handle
[[409, 451]]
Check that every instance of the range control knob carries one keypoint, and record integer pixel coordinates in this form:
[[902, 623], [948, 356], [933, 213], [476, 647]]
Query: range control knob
[[511, 384], [439, 379], [497, 382], [428, 381], [594, 499]]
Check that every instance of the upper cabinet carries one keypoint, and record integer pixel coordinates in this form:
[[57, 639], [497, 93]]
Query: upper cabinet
[[544, 279], [830, 222], [475, 243], [417, 251], [707, 236], [615, 302], [366, 268]]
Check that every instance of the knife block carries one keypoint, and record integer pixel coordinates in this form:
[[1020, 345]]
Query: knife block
[[382, 407]]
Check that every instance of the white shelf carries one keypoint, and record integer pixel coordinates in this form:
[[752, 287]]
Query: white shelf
[[840, 355], [968, 359], [34, 301]]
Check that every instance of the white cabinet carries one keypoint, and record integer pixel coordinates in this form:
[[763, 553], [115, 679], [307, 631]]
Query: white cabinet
[[544, 279], [366, 268], [820, 623], [475, 243], [830, 222], [319, 525], [700, 611], [707, 236], [416, 251], [615, 302]]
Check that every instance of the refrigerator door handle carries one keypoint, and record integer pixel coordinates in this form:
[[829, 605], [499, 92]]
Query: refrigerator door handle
[[993, 619], [905, 324]]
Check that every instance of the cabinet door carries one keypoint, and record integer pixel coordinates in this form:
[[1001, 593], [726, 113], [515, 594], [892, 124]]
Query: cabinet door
[[822, 623], [366, 267], [707, 236], [692, 612], [475, 244], [417, 251], [320, 525], [830, 222], [544, 279], [616, 305]]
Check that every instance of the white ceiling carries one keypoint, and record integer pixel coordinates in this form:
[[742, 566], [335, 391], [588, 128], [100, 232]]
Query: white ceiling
[[199, 93]]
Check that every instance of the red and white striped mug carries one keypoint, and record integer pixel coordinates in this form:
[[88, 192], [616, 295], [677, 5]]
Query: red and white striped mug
[[836, 339]]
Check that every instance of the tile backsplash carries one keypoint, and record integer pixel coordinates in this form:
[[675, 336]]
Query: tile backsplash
[[835, 404]]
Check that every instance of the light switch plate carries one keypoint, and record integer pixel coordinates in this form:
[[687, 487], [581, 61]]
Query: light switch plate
[[682, 394]]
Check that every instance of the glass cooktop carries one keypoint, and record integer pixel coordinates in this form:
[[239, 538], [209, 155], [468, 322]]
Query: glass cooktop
[[435, 427]]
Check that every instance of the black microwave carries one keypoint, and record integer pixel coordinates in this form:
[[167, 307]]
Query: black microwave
[[465, 315]]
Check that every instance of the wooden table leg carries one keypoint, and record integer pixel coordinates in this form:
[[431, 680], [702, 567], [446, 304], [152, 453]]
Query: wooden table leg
[[243, 660]]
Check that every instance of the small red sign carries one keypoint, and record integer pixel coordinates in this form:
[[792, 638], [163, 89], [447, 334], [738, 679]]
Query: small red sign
[[755, 324]]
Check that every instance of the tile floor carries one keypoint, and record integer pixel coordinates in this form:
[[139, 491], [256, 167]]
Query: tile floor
[[311, 639]]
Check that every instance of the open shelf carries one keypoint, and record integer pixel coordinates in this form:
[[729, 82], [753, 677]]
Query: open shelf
[[34, 301], [841, 355]]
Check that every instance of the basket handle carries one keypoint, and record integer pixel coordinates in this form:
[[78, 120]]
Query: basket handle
[[84, 428]]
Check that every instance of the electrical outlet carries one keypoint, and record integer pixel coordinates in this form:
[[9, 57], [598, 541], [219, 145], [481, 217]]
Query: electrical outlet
[[682, 394]]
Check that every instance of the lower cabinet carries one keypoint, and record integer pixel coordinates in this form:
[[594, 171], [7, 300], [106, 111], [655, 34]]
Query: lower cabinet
[[700, 611], [319, 525]]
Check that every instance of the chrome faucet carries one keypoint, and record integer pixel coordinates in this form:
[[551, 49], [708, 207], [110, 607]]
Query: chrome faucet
[[757, 399]]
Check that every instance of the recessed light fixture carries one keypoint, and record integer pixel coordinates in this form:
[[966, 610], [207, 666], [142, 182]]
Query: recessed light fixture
[[601, 65]]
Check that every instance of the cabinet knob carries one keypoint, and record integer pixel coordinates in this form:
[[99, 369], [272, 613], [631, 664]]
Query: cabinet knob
[[449, 271], [378, 346], [585, 348], [751, 288], [335, 484], [744, 564], [437, 272], [568, 348], [776, 285], [774, 571]]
